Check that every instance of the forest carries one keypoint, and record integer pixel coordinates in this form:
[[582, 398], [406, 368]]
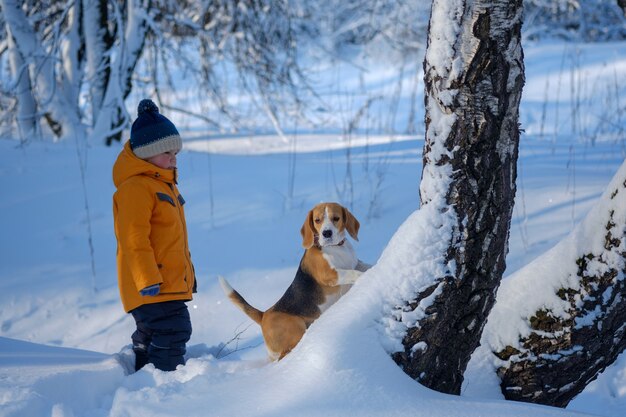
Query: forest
[[447, 76]]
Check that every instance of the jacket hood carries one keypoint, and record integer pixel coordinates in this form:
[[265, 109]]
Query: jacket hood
[[129, 165]]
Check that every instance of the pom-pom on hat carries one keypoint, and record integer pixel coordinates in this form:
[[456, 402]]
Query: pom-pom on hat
[[152, 133]]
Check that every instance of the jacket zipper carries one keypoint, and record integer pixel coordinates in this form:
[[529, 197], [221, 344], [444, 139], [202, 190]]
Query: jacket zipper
[[183, 223]]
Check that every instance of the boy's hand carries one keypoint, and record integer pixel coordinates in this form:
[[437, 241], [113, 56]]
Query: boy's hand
[[152, 290]]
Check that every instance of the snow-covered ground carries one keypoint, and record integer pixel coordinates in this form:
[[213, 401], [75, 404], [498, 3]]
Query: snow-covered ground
[[64, 336]]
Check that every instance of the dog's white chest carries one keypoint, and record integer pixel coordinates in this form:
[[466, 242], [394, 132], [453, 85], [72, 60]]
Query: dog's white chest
[[340, 257]]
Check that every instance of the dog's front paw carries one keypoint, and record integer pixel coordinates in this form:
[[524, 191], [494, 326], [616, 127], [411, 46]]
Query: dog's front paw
[[347, 276]]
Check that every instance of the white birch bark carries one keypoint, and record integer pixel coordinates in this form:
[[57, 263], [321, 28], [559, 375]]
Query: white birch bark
[[97, 62], [124, 57], [71, 64], [26, 106]]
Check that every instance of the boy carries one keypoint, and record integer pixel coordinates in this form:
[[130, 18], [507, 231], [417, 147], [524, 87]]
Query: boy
[[155, 273]]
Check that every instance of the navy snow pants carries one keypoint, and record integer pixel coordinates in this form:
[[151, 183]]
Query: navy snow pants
[[163, 329]]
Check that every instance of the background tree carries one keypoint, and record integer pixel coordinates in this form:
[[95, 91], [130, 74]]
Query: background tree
[[57, 49], [473, 74], [582, 21], [97, 51], [61, 47], [622, 4]]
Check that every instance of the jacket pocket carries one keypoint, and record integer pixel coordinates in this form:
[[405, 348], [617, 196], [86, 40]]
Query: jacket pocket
[[174, 273], [166, 197]]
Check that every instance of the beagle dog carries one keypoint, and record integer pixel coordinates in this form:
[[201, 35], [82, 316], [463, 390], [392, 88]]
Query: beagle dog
[[327, 270]]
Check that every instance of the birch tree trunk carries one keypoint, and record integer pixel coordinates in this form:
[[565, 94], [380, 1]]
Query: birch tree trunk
[[474, 76], [578, 326], [73, 48], [98, 42], [26, 106], [132, 34]]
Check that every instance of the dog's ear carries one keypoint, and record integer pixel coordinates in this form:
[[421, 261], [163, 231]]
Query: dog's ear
[[307, 232], [352, 224]]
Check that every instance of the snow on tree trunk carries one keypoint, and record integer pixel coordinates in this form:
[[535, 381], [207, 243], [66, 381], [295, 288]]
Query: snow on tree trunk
[[124, 56], [98, 42], [473, 76], [72, 50], [561, 320], [622, 4], [26, 106]]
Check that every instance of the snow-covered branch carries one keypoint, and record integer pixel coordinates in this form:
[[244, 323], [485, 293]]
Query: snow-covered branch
[[49, 95]]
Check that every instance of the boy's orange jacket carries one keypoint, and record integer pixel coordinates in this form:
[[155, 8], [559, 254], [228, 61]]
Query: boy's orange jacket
[[152, 246]]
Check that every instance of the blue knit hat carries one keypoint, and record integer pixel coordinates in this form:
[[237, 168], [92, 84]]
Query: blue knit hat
[[152, 133]]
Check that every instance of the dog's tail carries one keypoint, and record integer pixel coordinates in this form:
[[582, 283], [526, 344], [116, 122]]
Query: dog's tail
[[240, 302]]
